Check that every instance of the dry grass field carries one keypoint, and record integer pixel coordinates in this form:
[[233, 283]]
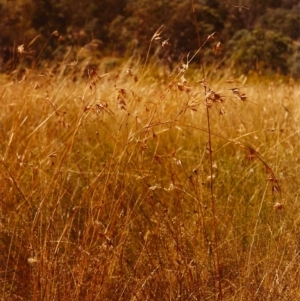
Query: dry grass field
[[128, 183]]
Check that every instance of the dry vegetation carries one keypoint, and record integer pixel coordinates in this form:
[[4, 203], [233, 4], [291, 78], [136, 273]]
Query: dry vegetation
[[111, 190]]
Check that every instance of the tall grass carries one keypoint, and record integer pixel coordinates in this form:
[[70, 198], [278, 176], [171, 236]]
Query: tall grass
[[105, 185]]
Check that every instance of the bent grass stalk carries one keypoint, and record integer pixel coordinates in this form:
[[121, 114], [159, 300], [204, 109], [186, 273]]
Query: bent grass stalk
[[217, 260]]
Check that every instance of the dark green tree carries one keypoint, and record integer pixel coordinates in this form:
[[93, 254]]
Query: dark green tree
[[263, 51], [285, 21]]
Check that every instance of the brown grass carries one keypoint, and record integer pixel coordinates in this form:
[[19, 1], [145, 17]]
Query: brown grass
[[105, 186]]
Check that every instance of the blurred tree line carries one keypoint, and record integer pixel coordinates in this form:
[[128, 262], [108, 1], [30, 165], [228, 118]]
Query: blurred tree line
[[255, 35]]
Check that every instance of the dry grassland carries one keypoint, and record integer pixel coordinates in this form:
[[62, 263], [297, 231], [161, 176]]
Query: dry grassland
[[129, 184]]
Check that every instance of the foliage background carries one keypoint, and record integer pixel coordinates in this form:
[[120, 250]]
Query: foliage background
[[259, 35]]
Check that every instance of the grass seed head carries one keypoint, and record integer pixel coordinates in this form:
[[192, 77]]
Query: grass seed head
[[278, 206], [217, 49], [21, 49], [166, 45]]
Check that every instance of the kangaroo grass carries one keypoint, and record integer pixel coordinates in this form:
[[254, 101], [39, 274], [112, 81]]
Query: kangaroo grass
[[125, 189]]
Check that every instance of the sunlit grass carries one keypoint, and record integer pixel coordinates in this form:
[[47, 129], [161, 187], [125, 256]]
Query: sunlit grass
[[105, 186]]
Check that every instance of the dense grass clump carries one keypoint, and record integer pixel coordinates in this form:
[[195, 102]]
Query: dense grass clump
[[115, 186]]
